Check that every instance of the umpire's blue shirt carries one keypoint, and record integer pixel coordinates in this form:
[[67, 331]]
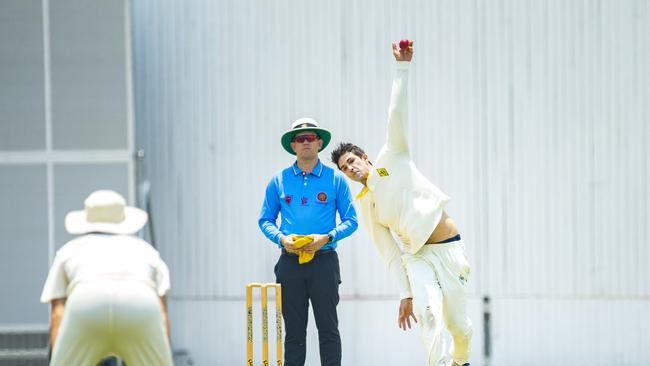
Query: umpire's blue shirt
[[307, 204]]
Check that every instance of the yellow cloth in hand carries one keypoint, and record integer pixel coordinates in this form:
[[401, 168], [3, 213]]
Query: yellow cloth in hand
[[300, 241]]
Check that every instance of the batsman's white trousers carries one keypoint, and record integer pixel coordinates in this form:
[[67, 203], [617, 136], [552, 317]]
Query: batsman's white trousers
[[112, 317], [438, 276]]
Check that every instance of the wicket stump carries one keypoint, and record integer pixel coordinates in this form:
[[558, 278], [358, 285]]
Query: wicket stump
[[265, 330]]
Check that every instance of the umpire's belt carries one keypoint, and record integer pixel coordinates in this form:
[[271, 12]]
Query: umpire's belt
[[320, 252]]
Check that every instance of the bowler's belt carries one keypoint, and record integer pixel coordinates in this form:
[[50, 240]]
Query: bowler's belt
[[452, 239]]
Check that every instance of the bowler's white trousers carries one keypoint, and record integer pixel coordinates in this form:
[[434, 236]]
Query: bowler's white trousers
[[438, 276], [112, 317]]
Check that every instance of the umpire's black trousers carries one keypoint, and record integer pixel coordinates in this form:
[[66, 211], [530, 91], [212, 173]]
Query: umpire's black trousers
[[317, 281]]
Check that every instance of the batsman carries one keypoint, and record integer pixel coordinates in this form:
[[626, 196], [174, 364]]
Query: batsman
[[428, 261]]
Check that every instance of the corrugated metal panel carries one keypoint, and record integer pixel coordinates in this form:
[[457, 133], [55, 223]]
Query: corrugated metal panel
[[529, 114], [566, 154], [211, 119], [598, 332], [66, 59]]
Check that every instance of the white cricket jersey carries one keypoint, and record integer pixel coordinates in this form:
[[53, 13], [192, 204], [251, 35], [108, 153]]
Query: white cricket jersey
[[105, 257], [399, 197]]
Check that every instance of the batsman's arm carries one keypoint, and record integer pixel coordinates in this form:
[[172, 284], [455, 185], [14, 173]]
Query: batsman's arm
[[165, 313], [56, 316]]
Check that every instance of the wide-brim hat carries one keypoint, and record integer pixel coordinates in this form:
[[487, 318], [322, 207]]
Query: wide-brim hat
[[304, 125], [105, 212]]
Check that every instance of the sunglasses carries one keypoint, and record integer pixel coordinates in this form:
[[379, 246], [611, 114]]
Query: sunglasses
[[302, 138]]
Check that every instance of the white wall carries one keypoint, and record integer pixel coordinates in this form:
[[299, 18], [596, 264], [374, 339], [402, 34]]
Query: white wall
[[66, 129], [530, 114]]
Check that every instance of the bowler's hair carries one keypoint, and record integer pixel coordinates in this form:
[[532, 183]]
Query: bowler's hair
[[344, 148]]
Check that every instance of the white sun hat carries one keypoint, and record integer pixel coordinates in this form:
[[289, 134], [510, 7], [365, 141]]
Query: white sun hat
[[105, 212]]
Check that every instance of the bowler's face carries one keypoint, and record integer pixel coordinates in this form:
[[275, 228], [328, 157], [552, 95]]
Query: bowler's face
[[354, 167]]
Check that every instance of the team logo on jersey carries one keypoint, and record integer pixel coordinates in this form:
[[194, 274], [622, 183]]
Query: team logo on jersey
[[322, 197], [304, 200], [287, 199], [382, 172]]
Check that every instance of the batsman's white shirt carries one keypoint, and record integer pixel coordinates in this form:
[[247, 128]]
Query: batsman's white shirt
[[97, 256], [113, 285], [399, 197]]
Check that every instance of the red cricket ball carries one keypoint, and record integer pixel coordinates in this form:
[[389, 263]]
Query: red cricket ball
[[404, 44]]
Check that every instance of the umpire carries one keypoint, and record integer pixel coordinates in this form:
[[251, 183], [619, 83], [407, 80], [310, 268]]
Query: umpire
[[307, 195]]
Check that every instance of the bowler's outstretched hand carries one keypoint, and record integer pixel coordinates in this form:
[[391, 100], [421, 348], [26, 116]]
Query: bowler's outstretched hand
[[403, 54]]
